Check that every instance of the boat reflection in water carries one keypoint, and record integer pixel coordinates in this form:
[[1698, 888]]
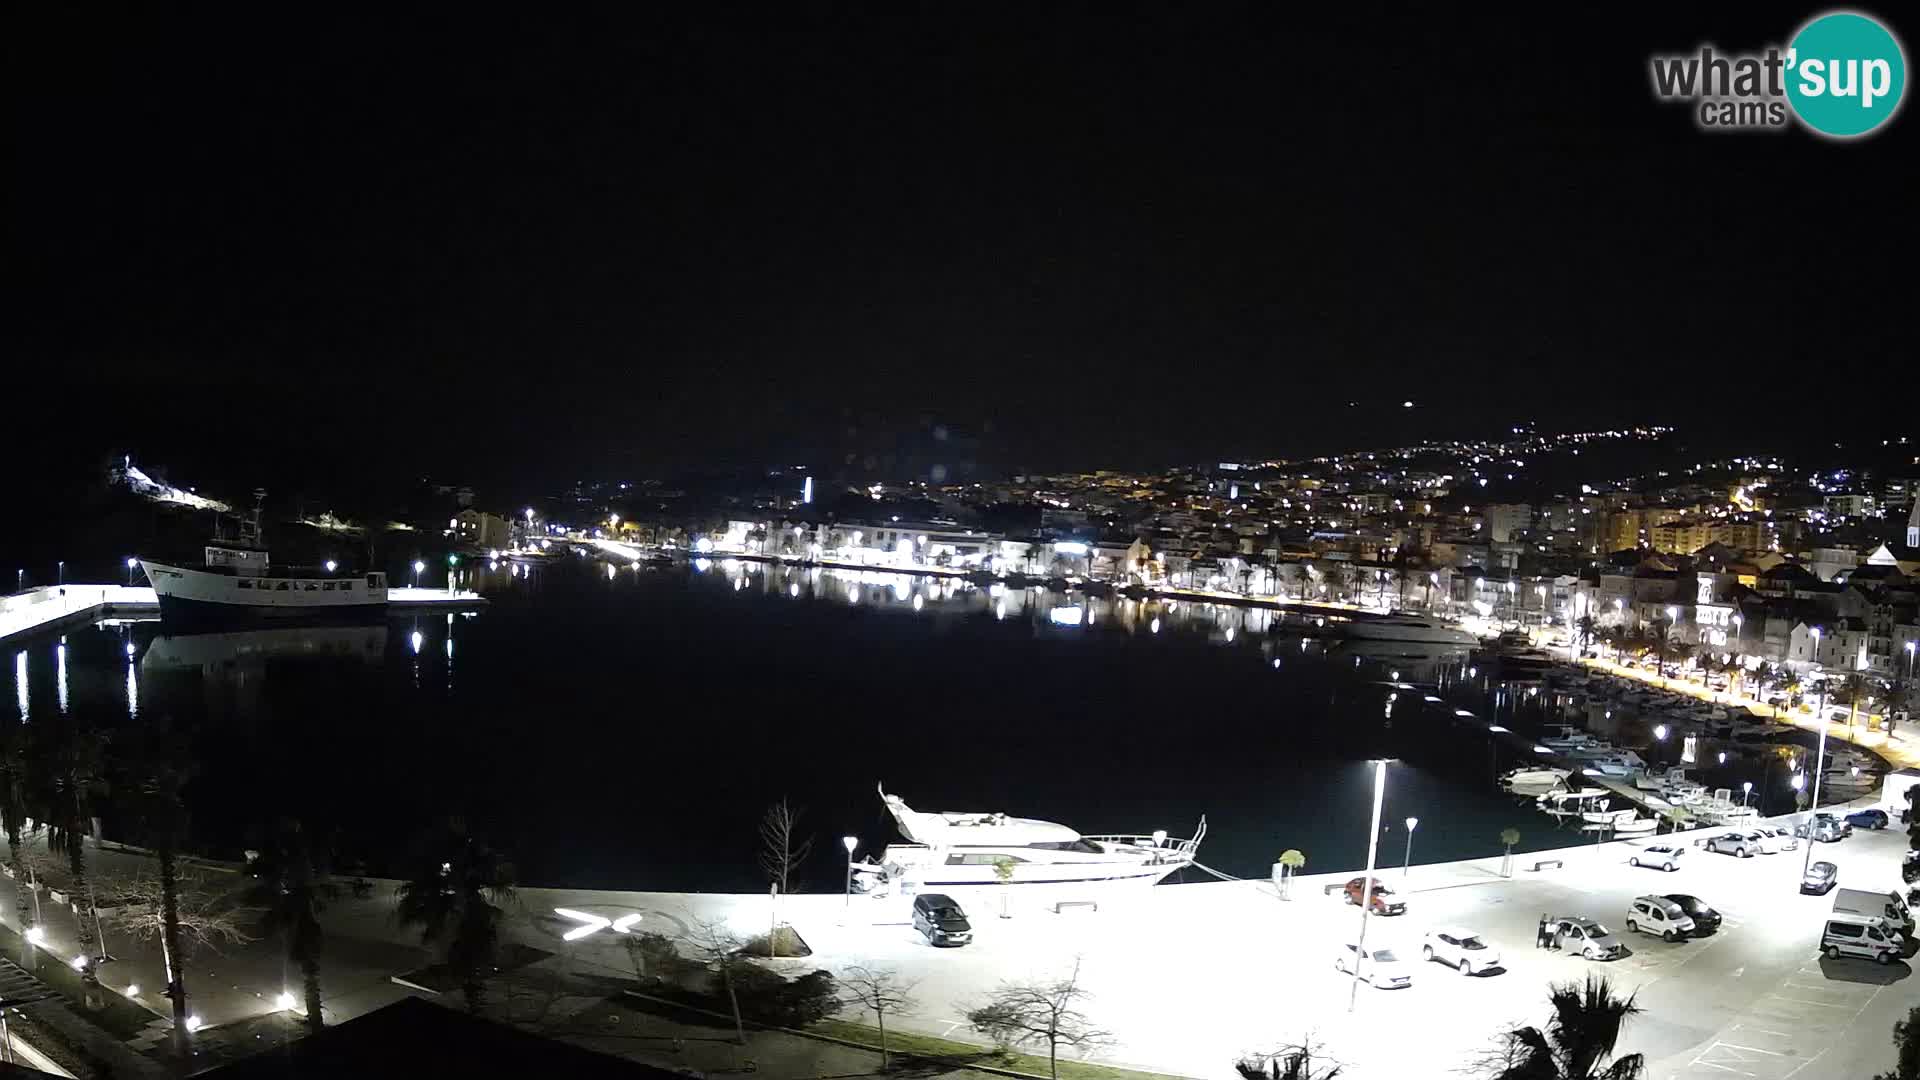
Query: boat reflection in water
[[217, 654]]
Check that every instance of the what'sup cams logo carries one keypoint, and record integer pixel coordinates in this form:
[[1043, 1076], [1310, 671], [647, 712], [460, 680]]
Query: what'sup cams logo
[[1842, 76]]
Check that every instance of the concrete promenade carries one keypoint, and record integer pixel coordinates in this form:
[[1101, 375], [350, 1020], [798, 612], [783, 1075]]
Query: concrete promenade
[[1900, 749], [51, 607], [1188, 976]]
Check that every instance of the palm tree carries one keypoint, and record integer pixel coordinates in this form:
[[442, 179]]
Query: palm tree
[[1578, 1041], [454, 896], [1853, 690], [15, 778], [1585, 626], [292, 896], [153, 765], [71, 778], [1336, 578]]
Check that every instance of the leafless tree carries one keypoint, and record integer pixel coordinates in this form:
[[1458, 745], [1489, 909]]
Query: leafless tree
[[1304, 1060], [204, 915], [713, 945], [209, 915], [783, 848], [879, 991], [1035, 1012]]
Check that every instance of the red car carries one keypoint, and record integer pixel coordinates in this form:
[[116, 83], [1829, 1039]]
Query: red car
[[1384, 901]]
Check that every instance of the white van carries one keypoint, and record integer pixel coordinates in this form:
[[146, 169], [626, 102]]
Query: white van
[[1859, 937], [1887, 908]]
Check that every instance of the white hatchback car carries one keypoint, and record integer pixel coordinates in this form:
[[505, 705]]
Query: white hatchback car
[[1659, 915], [1383, 970], [1468, 952], [1764, 840], [1664, 856]]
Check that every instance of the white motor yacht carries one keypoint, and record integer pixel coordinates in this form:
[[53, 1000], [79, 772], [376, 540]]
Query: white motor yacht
[[1534, 779], [949, 850], [1563, 804], [1411, 628]]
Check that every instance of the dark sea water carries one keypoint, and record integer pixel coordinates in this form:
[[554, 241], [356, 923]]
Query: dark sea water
[[626, 729]]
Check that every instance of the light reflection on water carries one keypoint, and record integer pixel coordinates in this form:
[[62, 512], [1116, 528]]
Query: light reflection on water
[[946, 597]]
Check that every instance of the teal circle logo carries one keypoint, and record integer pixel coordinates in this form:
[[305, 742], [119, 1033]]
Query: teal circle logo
[[1846, 74]]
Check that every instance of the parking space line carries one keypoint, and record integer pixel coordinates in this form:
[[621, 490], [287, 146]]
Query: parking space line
[[1804, 1001], [1763, 1031]]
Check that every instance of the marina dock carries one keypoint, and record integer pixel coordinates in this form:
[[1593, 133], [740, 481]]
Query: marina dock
[[55, 607]]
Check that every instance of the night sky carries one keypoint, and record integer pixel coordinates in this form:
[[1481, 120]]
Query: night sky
[[508, 249]]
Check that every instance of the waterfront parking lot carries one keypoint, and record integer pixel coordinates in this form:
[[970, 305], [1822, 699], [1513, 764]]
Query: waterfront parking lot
[[1187, 977]]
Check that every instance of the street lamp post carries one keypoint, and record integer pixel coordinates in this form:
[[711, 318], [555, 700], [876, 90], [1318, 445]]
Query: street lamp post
[[1366, 885], [1406, 864], [1746, 792], [418, 566], [1820, 766], [131, 563], [850, 843]]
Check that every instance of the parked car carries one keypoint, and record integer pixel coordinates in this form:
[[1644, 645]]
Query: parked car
[[1823, 827], [1867, 819], [1579, 934], [1658, 915], [1381, 968], [1467, 951], [1385, 901], [1664, 856], [1705, 919], [940, 920], [1857, 937], [1783, 837], [1733, 843], [1819, 878]]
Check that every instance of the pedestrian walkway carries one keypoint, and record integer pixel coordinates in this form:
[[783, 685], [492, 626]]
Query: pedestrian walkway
[[1901, 749]]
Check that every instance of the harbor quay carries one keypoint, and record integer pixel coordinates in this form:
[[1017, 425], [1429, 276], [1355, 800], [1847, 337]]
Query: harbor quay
[[49, 608], [1189, 977]]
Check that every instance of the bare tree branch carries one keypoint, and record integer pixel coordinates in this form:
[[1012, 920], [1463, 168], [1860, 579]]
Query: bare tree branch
[[1040, 1012], [783, 848], [880, 991], [208, 915]]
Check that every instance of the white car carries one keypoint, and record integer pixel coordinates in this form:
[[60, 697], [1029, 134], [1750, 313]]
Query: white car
[[1382, 970], [1467, 951], [1664, 856], [1788, 841], [1764, 840], [1659, 915]]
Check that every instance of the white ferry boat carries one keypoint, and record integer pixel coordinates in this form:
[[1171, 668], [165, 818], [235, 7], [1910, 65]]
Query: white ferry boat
[[948, 850], [238, 584]]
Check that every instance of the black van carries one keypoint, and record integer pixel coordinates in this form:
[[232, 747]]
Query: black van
[[939, 918]]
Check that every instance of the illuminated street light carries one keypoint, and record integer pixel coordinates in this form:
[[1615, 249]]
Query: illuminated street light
[[332, 566], [418, 566], [1660, 732], [1366, 886], [850, 842], [1407, 863], [133, 562], [1746, 788]]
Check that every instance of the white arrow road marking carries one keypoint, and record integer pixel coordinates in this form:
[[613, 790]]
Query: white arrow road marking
[[593, 924], [589, 924]]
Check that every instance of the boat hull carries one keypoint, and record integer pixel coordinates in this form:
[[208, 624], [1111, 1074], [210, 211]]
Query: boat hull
[[1411, 633], [193, 597]]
